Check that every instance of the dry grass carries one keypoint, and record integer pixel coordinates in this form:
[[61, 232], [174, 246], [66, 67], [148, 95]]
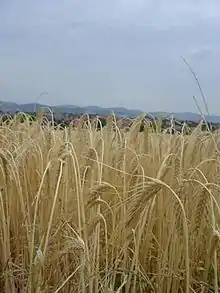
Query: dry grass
[[87, 211]]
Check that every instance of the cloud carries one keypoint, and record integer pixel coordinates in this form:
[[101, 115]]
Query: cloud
[[108, 52], [140, 12], [200, 53]]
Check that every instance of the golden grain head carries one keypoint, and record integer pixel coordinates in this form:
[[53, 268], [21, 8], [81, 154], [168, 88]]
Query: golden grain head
[[145, 204]]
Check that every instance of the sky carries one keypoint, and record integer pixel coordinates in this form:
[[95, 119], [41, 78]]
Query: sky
[[111, 53]]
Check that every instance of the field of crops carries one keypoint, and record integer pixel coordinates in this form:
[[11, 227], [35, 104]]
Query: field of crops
[[108, 211]]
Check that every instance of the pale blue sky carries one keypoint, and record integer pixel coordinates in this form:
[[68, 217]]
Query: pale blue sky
[[110, 52]]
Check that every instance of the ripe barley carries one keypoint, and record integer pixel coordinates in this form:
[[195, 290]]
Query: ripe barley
[[145, 205]]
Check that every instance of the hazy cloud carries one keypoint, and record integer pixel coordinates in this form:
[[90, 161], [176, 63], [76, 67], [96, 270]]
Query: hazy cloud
[[113, 52], [200, 53]]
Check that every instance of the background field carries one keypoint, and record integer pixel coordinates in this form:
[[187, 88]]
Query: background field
[[108, 211]]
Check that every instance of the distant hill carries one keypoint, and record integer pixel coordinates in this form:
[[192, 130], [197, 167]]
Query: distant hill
[[11, 107]]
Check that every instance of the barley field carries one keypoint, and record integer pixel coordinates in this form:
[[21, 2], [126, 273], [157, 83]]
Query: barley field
[[108, 211]]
